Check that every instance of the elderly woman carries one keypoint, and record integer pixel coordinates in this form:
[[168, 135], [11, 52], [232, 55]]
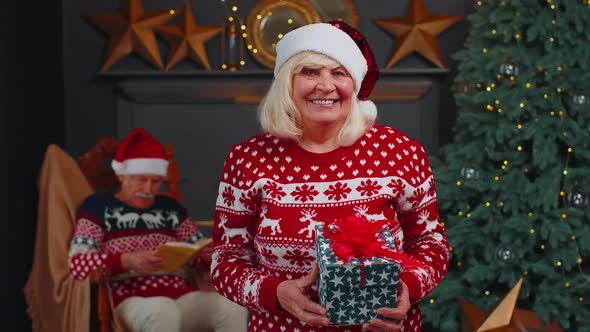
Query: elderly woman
[[322, 157]]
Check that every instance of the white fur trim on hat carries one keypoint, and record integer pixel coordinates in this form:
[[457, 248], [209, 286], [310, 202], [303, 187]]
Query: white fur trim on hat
[[155, 166], [326, 39]]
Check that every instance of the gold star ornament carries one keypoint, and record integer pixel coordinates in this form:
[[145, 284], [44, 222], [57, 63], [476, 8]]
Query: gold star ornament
[[504, 317], [187, 39], [416, 32], [131, 31]]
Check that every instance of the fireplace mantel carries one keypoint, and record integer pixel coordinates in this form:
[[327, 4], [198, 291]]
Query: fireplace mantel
[[248, 87]]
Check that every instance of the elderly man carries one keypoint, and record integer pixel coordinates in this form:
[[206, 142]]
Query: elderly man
[[123, 231]]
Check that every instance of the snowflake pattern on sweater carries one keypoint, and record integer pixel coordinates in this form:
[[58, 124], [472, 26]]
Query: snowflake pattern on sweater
[[272, 193], [106, 228]]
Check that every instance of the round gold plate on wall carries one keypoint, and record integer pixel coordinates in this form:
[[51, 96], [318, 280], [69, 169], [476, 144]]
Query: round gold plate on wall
[[270, 20]]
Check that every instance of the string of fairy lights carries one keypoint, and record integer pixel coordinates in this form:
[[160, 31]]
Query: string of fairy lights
[[511, 71]]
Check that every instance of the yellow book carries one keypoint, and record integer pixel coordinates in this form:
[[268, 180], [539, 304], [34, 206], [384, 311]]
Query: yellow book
[[177, 254]]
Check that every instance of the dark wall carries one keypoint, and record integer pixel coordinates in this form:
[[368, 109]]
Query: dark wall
[[91, 99], [31, 117]]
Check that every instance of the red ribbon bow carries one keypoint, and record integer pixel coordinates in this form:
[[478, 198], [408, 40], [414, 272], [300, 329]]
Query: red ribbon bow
[[354, 237]]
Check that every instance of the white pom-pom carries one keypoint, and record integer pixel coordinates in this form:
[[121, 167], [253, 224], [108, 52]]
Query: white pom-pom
[[369, 109]]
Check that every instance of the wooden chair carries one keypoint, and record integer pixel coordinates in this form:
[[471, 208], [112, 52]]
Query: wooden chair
[[96, 166]]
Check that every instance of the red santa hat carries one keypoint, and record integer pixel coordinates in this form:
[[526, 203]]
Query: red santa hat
[[140, 153], [342, 43]]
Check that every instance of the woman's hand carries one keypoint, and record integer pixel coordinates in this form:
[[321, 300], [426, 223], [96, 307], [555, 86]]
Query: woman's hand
[[395, 315], [291, 298], [142, 262]]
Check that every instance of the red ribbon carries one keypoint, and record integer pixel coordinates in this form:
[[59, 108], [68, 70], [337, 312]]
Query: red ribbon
[[354, 237]]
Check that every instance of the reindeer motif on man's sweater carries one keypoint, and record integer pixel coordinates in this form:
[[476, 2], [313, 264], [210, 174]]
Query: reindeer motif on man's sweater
[[127, 220], [363, 211], [273, 224], [229, 232], [153, 220], [173, 216], [309, 216]]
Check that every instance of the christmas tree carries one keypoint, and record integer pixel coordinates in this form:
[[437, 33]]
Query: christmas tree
[[514, 185]]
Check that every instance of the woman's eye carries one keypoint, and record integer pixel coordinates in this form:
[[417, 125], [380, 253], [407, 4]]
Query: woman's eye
[[309, 72]]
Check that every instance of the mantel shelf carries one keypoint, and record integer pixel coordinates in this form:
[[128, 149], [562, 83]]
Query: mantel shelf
[[125, 74], [250, 86]]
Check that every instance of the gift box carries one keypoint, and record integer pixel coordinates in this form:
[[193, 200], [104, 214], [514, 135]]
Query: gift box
[[353, 288]]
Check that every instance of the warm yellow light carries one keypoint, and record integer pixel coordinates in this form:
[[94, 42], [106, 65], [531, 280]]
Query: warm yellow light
[[499, 109], [460, 213], [290, 21], [552, 39], [497, 101], [450, 248], [245, 35], [224, 66], [490, 107], [501, 203], [521, 105], [485, 50], [243, 27], [431, 301], [519, 148], [525, 273], [505, 162], [249, 46], [570, 150], [546, 96], [561, 114], [269, 13], [258, 17], [581, 299], [487, 293], [542, 247], [503, 167], [242, 62], [488, 89], [558, 90], [497, 178], [565, 172], [580, 260], [567, 285], [553, 21], [558, 263], [530, 214], [526, 170], [494, 31], [517, 36], [493, 85], [519, 126], [234, 8], [552, 113], [280, 35], [532, 231], [255, 50], [528, 85], [459, 183], [552, 6], [559, 68], [172, 11], [563, 216], [468, 215], [573, 238], [488, 204], [562, 193], [459, 264]]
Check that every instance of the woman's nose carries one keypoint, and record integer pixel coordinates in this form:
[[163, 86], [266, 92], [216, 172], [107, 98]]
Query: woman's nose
[[325, 83]]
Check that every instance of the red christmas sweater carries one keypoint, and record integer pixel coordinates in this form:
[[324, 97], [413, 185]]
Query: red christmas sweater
[[272, 194], [107, 228]]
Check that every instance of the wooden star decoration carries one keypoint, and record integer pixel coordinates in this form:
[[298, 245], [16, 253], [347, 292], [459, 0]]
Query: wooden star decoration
[[187, 39], [131, 31], [504, 317], [416, 32]]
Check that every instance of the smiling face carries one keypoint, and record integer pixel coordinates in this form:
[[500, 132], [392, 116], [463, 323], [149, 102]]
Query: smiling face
[[323, 95]]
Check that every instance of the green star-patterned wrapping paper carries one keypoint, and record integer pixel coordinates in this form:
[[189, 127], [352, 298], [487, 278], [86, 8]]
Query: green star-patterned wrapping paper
[[340, 290]]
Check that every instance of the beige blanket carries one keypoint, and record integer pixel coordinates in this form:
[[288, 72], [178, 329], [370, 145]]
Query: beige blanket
[[55, 301]]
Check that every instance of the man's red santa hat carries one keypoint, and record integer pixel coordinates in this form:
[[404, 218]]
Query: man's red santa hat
[[140, 153]]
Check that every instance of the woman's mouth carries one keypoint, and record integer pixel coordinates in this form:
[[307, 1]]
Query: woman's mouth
[[323, 101]]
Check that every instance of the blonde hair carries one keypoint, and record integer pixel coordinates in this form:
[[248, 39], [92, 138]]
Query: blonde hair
[[279, 116]]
